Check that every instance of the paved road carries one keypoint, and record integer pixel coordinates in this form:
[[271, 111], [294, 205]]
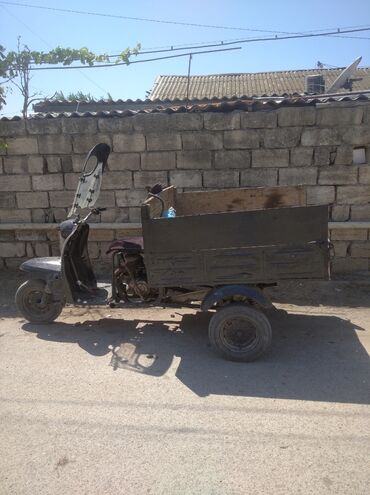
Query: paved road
[[94, 404]]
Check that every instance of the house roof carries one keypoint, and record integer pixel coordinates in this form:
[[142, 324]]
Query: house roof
[[251, 84], [206, 105]]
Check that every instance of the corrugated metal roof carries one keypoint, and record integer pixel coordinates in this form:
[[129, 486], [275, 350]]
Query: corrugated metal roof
[[256, 84], [249, 104]]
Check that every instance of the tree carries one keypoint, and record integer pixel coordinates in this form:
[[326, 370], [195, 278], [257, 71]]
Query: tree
[[16, 66]]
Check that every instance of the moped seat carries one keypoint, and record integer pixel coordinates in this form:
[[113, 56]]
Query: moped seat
[[132, 244], [42, 265]]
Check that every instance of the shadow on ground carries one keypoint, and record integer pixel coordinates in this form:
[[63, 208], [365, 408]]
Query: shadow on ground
[[315, 358]]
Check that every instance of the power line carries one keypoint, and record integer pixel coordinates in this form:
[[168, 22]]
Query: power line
[[134, 61], [146, 19], [248, 40]]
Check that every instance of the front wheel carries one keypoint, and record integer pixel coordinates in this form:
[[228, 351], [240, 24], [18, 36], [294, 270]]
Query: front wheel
[[240, 333], [33, 306]]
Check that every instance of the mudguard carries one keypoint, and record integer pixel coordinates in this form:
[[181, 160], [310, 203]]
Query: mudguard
[[226, 291]]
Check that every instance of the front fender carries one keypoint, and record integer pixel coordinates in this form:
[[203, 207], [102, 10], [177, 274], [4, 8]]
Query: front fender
[[227, 291]]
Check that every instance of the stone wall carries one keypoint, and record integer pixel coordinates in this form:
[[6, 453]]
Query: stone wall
[[309, 145]]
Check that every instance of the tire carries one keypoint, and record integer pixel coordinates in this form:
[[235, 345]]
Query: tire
[[28, 300], [240, 333]]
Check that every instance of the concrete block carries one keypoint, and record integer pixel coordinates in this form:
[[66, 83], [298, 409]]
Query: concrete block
[[144, 179], [344, 155], [360, 249], [321, 137], [107, 199], [58, 214], [116, 125], [80, 125], [355, 195], [357, 135], [221, 121], [78, 162], [259, 177], [42, 249], [117, 180], [163, 142], [94, 251], [186, 178], [364, 175], [12, 249], [338, 175], [219, 179], [165, 160], [242, 139], [296, 176], [12, 128], [202, 140], [322, 156], [15, 183], [41, 216], [128, 142], [85, 142], [360, 213], [258, 120], [341, 248], [61, 199], [101, 235], [7, 200], [67, 165], [53, 164], [71, 181], [22, 146], [270, 158], [348, 234], [296, 116], [331, 117], [301, 156], [35, 165], [14, 263], [16, 165], [151, 122], [50, 182], [320, 195], [185, 121], [134, 215], [124, 161], [282, 137], [349, 265], [55, 144], [114, 215], [233, 159], [197, 159], [340, 213], [15, 215], [44, 126], [6, 235], [30, 235], [132, 197], [33, 199]]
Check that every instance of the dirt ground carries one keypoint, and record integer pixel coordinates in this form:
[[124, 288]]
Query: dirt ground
[[135, 401]]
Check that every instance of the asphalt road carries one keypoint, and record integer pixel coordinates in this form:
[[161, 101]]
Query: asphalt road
[[134, 401]]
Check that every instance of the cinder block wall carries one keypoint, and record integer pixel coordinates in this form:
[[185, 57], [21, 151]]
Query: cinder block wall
[[309, 145]]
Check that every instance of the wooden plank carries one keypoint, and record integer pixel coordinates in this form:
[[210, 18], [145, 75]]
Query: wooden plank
[[168, 196], [190, 203], [239, 266], [236, 229]]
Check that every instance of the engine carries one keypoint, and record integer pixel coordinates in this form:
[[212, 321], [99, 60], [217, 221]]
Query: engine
[[131, 280]]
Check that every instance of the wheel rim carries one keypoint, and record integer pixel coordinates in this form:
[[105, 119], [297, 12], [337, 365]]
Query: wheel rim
[[238, 334], [35, 304]]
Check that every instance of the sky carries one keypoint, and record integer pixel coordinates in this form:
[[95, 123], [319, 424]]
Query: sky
[[43, 30]]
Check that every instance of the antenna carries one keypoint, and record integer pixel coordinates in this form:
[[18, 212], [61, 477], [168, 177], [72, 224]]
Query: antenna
[[344, 79]]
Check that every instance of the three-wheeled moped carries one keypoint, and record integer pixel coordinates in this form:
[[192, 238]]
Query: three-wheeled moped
[[215, 249]]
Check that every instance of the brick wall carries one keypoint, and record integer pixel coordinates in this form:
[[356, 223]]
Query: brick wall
[[306, 145]]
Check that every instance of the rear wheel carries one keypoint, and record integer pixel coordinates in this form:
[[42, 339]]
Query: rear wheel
[[33, 305], [240, 333]]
